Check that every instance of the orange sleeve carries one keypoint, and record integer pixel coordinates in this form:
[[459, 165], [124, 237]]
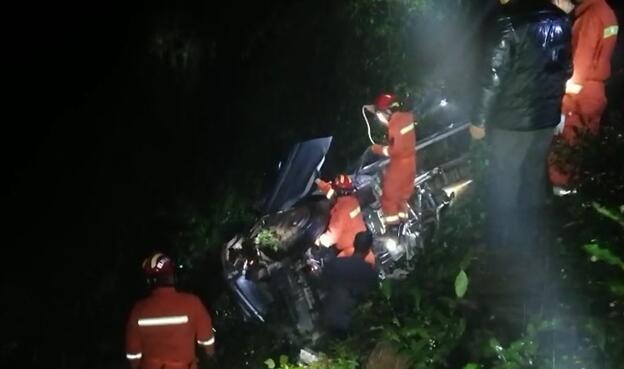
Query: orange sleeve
[[401, 125], [590, 32], [134, 351], [336, 225], [203, 326], [392, 140]]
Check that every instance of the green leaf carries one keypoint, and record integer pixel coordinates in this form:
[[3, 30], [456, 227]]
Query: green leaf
[[610, 214], [416, 331], [415, 292], [471, 366], [386, 289], [465, 263], [461, 284], [269, 363], [283, 360], [617, 288], [495, 345], [603, 254]]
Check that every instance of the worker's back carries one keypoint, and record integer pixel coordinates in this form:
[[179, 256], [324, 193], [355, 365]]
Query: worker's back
[[164, 327]]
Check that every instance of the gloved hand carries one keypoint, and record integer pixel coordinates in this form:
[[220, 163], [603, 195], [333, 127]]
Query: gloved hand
[[322, 185], [477, 132], [378, 149]]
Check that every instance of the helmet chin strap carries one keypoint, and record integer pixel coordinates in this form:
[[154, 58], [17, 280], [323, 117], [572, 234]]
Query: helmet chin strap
[[368, 127]]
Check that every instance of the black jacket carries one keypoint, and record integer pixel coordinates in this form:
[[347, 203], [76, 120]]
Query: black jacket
[[528, 62]]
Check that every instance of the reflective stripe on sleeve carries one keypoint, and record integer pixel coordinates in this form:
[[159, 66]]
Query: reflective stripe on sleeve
[[165, 320], [330, 193], [384, 150], [354, 213], [406, 129], [134, 356], [209, 342], [610, 31]]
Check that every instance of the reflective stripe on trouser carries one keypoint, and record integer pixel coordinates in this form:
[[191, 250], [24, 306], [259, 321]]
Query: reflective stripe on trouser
[[163, 320], [208, 342], [135, 356], [391, 219], [395, 217]]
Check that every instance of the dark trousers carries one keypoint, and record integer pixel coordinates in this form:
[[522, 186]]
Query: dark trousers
[[347, 281], [517, 217], [516, 189], [338, 310]]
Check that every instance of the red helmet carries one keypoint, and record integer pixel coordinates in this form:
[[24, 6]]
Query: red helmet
[[342, 182], [158, 265], [386, 101]]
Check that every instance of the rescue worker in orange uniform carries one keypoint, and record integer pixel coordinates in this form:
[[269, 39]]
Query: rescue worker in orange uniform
[[594, 35], [164, 328], [345, 220], [398, 180]]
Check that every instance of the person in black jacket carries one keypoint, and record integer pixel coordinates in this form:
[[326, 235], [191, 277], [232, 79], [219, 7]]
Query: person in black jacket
[[347, 281], [519, 105]]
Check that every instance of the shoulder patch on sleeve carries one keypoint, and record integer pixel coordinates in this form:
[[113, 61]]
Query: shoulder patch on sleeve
[[610, 31]]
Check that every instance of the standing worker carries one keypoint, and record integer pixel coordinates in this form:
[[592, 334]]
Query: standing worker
[[164, 328], [397, 184], [518, 106], [594, 35]]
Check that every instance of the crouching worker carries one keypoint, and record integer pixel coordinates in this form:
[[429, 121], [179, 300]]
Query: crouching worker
[[165, 327], [347, 281], [345, 219]]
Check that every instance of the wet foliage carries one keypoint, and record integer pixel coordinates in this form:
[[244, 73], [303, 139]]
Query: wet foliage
[[429, 322], [179, 139]]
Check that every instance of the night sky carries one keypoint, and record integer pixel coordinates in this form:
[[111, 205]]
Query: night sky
[[101, 142]]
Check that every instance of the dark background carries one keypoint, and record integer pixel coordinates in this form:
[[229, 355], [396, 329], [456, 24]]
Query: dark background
[[108, 130]]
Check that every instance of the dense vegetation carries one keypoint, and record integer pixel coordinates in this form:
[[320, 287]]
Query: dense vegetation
[[182, 139]]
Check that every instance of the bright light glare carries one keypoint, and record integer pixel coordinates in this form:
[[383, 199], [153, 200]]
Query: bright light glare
[[443, 102], [456, 188], [391, 245]]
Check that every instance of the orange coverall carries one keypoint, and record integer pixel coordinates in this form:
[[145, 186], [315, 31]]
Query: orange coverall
[[398, 181], [163, 329], [345, 221], [594, 35]]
